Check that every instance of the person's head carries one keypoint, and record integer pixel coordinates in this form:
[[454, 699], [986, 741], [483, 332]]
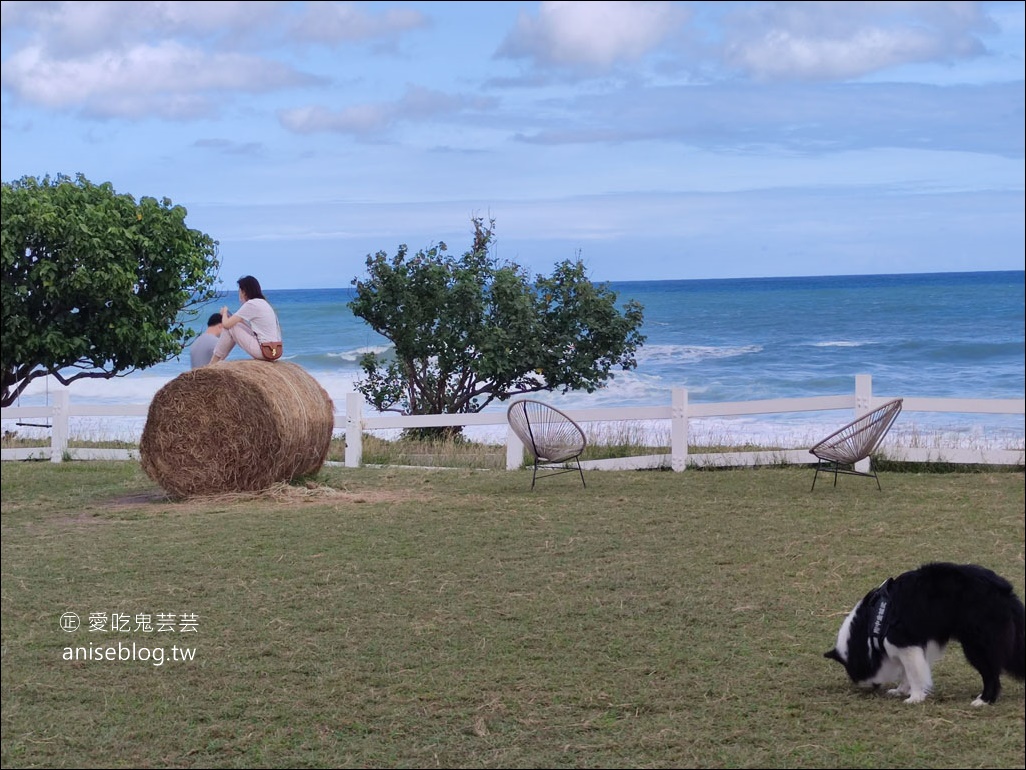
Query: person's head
[[214, 323], [249, 288]]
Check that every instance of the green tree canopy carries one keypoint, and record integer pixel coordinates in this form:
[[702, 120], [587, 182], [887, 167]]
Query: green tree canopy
[[94, 283], [466, 331]]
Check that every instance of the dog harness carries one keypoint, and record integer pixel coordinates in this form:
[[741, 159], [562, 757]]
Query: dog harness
[[879, 617]]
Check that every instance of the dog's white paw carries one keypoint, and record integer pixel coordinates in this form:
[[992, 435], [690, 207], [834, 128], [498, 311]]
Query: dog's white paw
[[980, 701], [916, 697], [897, 692]]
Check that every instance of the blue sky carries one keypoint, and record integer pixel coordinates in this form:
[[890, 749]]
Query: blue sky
[[654, 140]]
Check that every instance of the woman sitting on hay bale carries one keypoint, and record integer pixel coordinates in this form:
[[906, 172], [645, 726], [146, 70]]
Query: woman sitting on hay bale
[[254, 327]]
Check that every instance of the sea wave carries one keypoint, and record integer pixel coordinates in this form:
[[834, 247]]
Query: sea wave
[[357, 353], [840, 344], [692, 354]]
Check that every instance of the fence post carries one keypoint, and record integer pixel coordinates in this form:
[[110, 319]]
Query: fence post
[[514, 450], [354, 430], [863, 405], [59, 431], [679, 429]]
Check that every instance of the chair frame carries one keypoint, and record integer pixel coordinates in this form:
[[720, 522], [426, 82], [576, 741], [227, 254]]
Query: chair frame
[[550, 460], [856, 441]]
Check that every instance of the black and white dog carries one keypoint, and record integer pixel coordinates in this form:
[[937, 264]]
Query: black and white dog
[[897, 631]]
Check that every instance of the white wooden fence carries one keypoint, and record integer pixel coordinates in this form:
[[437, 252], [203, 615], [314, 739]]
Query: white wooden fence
[[678, 413]]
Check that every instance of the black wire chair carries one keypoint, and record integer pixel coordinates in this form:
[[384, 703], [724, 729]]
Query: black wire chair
[[856, 441], [554, 441]]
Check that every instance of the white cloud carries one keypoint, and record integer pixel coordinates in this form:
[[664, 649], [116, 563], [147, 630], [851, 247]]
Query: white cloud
[[417, 103], [172, 60], [167, 79], [343, 22], [841, 40], [361, 120], [592, 35], [68, 30]]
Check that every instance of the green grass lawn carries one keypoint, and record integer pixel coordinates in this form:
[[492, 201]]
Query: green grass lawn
[[454, 618]]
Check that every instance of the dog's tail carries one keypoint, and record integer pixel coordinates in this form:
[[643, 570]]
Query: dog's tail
[[1015, 661]]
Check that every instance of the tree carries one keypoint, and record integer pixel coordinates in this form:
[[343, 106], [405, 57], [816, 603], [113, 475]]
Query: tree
[[466, 331], [94, 284]]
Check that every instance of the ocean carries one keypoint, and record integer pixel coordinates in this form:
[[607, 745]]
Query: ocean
[[958, 335]]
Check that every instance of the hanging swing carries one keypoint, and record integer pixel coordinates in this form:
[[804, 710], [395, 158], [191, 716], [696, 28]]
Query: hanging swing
[[49, 421]]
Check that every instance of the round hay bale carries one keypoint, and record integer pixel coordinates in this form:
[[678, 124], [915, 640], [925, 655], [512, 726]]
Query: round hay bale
[[238, 426]]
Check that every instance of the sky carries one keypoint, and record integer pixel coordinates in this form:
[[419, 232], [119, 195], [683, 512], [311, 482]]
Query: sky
[[651, 140]]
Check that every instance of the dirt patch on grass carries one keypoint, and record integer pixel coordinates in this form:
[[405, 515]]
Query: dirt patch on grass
[[140, 498], [143, 504], [280, 494]]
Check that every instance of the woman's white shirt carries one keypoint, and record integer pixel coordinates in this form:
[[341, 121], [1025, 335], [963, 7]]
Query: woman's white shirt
[[260, 316]]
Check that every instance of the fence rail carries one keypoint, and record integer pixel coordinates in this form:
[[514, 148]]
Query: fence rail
[[678, 413]]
